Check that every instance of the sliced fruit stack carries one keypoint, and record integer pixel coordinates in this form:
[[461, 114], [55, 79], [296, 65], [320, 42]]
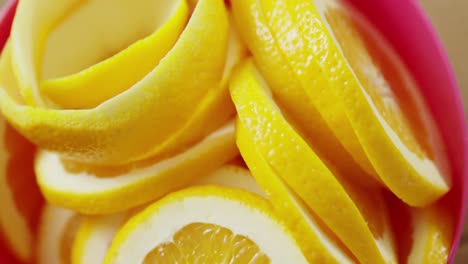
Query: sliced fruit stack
[[139, 111]]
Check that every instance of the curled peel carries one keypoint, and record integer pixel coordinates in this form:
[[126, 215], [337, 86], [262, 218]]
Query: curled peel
[[136, 121], [89, 193]]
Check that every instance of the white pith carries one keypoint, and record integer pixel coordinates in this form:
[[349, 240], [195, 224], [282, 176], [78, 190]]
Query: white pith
[[52, 226], [50, 169], [231, 214], [104, 228], [123, 23], [103, 231]]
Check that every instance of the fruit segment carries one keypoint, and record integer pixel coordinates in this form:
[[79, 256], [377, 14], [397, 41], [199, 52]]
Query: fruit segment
[[323, 59], [20, 198], [101, 192], [356, 216], [236, 227]]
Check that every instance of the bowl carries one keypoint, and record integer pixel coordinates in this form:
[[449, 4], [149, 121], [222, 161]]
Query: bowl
[[409, 31]]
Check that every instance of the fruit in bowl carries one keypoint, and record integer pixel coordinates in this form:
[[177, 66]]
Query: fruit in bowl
[[211, 131]]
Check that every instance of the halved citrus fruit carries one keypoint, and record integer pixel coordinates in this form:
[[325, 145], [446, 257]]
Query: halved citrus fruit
[[95, 192], [323, 51], [135, 123], [20, 198], [356, 215], [96, 233], [205, 224]]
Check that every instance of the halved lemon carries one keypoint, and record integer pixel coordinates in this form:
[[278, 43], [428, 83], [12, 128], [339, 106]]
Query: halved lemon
[[89, 192], [57, 232], [146, 114], [20, 198], [356, 81], [205, 224], [356, 215], [96, 233]]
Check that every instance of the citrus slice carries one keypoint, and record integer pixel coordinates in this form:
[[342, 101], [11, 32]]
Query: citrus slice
[[432, 235], [206, 225], [423, 235], [96, 233], [357, 83], [318, 245], [297, 89], [94, 236], [20, 198], [357, 216], [90, 192], [153, 109], [57, 232]]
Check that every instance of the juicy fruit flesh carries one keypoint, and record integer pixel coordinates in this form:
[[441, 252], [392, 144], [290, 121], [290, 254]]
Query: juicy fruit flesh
[[207, 243], [390, 89]]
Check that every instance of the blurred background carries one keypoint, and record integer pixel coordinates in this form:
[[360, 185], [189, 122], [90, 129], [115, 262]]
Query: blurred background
[[450, 18]]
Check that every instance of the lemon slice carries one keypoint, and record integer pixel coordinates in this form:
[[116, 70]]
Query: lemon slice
[[424, 235], [90, 192], [96, 233], [206, 224], [20, 199], [357, 216], [432, 235], [148, 113], [318, 244], [356, 82], [94, 236], [299, 90], [57, 232]]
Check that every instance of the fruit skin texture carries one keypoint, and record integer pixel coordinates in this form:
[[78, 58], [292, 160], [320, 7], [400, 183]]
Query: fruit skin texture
[[296, 85], [90, 193], [147, 114], [296, 51], [335, 200]]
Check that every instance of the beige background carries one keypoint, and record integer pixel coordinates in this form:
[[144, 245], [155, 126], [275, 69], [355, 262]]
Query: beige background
[[450, 18]]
